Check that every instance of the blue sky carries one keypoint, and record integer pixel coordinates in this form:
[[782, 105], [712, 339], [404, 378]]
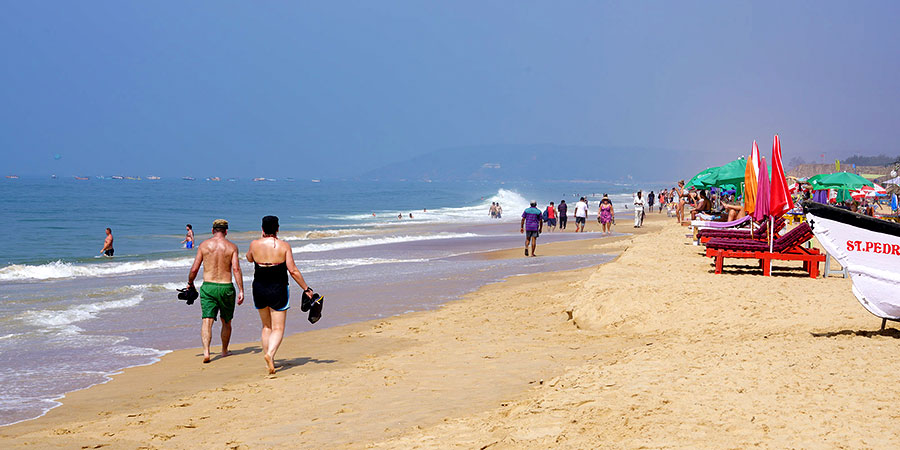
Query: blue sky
[[329, 89]]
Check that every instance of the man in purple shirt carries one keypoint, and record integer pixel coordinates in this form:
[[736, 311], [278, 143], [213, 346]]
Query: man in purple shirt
[[531, 225]]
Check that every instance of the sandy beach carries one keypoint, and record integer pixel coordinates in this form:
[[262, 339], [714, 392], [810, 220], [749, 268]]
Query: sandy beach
[[652, 350]]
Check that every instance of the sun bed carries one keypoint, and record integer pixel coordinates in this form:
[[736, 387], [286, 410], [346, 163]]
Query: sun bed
[[786, 248], [760, 232], [711, 224]]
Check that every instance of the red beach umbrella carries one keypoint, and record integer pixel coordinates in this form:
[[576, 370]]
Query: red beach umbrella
[[761, 210], [780, 201]]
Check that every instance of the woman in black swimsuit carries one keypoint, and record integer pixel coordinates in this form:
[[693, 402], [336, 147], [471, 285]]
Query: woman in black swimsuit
[[273, 260]]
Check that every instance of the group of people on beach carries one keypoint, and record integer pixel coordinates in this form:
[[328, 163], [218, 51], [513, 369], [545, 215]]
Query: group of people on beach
[[273, 262], [496, 210]]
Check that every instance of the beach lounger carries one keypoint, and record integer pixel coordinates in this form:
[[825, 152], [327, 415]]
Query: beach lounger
[[786, 248], [733, 224], [760, 232]]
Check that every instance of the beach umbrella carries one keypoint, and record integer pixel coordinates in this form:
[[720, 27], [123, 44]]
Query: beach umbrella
[[751, 175], [702, 179], [761, 210], [841, 195], [730, 174], [780, 201], [839, 180]]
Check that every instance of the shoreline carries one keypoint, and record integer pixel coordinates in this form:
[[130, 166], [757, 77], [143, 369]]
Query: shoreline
[[651, 350], [551, 249]]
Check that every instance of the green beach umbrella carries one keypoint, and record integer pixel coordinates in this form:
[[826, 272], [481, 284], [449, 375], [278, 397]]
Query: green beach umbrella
[[703, 179], [843, 195], [731, 173], [839, 180]]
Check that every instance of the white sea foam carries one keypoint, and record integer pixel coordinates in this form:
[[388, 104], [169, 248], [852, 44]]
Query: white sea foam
[[327, 264], [59, 269], [156, 287], [367, 242], [61, 319], [477, 212], [322, 234]]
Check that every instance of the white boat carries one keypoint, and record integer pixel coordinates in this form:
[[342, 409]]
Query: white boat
[[868, 248]]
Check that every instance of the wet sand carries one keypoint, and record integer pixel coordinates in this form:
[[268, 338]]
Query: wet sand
[[651, 350]]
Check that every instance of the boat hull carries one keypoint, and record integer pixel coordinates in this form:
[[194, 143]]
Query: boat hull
[[868, 248]]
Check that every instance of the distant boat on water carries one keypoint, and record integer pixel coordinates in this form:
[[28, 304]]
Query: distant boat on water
[[82, 178], [117, 177], [12, 177], [316, 180], [133, 178], [188, 178], [289, 179], [259, 179], [213, 179], [153, 177], [232, 179], [54, 176]]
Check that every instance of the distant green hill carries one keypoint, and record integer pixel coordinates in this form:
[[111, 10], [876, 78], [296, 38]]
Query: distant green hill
[[546, 162]]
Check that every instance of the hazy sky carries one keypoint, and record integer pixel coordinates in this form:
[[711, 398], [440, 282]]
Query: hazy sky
[[330, 88]]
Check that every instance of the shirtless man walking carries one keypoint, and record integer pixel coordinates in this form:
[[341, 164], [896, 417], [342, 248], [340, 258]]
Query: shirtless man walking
[[219, 258], [107, 249]]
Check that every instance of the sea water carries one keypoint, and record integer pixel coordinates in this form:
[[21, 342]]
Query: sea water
[[69, 317]]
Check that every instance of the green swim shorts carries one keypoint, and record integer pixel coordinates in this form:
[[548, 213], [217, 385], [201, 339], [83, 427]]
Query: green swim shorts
[[217, 299]]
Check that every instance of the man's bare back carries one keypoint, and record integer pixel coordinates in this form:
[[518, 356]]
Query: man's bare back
[[218, 255], [219, 258]]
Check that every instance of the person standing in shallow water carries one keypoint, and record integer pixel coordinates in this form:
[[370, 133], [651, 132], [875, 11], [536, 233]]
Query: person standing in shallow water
[[107, 249], [272, 261], [219, 258], [189, 237], [531, 225]]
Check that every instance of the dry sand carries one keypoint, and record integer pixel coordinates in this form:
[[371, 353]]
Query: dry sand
[[650, 351]]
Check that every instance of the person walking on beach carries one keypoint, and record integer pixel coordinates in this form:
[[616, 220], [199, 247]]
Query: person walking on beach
[[219, 258], [581, 210], [662, 200], [107, 249], [650, 199], [499, 211], [272, 261], [531, 225], [189, 237], [638, 210], [606, 215], [551, 217], [561, 213], [493, 210]]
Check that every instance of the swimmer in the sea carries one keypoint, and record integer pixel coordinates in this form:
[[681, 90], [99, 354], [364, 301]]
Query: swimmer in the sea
[[107, 249], [189, 237]]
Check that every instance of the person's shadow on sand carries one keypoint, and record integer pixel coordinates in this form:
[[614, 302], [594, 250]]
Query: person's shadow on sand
[[242, 351], [282, 365], [887, 332]]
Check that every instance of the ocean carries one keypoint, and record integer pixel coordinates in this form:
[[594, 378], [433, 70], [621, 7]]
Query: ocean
[[69, 317]]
